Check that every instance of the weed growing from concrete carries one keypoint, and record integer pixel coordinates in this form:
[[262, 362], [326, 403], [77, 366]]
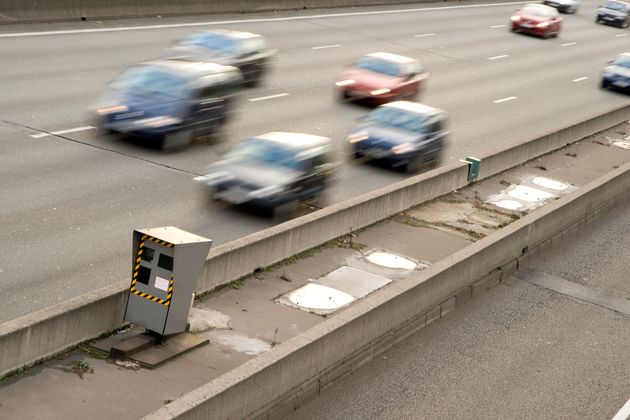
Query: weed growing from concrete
[[80, 367], [94, 353], [541, 167]]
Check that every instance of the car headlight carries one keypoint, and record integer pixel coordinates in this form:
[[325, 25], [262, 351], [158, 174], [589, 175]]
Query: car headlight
[[380, 92], [267, 191], [543, 24], [357, 137], [111, 109], [156, 122], [515, 18], [403, 148], [214, 178], [345, 82]]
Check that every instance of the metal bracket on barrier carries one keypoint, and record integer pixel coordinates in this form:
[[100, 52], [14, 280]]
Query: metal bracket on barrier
[[473, 167]]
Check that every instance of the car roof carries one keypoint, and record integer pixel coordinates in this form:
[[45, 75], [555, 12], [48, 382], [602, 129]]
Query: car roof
[[414, 107], [392, 57], [232, 33], [294, 140], [190, 68], [626, 54]]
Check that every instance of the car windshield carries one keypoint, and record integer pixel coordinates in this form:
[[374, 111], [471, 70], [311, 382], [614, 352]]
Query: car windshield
[[399, 118], [622, 62], [613, 5], [212, 41], [537, 11], [154, 81], [378, 65], [261, 151]]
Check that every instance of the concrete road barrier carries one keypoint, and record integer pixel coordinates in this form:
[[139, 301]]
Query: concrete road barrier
[[275, 383], [20, 11], [45, 333]]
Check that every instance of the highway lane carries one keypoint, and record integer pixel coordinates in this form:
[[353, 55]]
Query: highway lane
[[519, 351], [71, 201]]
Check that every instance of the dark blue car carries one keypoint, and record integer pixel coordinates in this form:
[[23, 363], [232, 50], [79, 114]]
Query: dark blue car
[[169, 101], [617, 75], [401, 134], [615, 13]]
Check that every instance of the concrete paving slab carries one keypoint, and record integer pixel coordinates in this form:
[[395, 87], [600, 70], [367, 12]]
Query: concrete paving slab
[[355, 282]]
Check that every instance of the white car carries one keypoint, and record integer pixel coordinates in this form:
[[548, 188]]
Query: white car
[[564, 6]]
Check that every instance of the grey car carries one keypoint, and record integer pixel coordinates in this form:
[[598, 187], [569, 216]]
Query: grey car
[[245, 50], [273, 170]]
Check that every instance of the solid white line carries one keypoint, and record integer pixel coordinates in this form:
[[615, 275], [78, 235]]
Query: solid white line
[[579, 79], [54, 133], [496, 57], [568, 44], [620, 35], [264, 98], [624, 413], [509, 98], [327, 46], [498, 26], [424, 35], [226, 22]]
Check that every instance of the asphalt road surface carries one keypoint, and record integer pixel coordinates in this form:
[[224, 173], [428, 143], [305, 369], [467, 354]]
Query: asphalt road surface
[[519, 351], [69, 201]]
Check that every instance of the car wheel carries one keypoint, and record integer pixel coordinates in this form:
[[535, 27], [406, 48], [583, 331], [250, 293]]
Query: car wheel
[[285, 211], [413, 165], [176, 140], [605, 84]]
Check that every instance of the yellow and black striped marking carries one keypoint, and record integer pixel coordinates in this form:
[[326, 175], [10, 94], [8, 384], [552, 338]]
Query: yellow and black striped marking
[[165, 302]]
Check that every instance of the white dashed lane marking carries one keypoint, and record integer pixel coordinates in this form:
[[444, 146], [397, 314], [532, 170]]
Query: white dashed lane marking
[[620, 35], [321, 47], [264, 98], [55, 133], [579, 79], [498, 26], [624, 413], [424, 35], [509, 98], [497, 57], [568, 44]]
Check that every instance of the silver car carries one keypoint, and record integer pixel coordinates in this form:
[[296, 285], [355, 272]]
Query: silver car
[[564, 6]]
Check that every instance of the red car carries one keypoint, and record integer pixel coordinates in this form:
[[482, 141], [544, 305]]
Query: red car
[[537, 19], [382, 77]]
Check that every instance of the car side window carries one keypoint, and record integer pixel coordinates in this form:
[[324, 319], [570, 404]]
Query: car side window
[[436, 125]]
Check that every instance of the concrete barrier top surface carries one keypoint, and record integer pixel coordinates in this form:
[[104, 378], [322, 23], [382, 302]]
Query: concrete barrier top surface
[[256, 340]]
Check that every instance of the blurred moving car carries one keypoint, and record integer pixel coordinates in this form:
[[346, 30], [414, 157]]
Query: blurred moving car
[[617, 74], [273, 170], [382, 77], [247, 51], [169, 101], [564, 6], [401, 134], [614, 12], [537, 19]]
